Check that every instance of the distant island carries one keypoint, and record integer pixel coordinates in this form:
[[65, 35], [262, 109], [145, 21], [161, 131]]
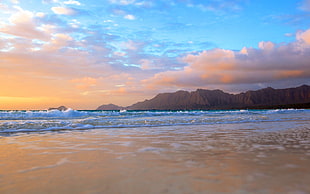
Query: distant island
[[61, 108], [201, 99], [110, 107]]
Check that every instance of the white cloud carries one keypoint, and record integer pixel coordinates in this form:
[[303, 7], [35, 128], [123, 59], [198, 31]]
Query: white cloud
[[63, 10], [108, 21], [50, 1], [130, 17], [40, 14], [23, 24], [22, 16], [72, 2], [15, 1]]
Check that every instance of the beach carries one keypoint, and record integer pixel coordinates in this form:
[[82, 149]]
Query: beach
[[244, 157], [154, 97]]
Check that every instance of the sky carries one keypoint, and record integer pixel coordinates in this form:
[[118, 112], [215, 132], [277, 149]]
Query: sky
[[83, 54]]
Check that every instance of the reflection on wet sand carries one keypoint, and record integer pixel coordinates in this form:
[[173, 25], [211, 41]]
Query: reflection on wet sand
[[235, 158]]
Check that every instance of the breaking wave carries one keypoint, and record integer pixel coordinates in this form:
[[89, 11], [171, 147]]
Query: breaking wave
[[54, 120]]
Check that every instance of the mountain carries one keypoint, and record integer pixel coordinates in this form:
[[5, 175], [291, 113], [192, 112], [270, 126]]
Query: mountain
[[110, 107], [216, 99], [200, 99]]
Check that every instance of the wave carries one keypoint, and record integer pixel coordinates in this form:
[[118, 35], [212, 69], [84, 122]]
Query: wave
[[51, 114], [55, 120]]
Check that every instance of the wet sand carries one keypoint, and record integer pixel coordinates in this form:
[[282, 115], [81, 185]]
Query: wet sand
[[266, 157]]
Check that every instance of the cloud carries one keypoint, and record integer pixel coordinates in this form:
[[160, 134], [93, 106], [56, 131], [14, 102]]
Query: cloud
[[122, 2], [81, 59], [56, 60], [50, 1], [15, 1], [120, 54], [40, 14], [63, 11], [211, 5], [130, 17], [269, 46], [123, 13], [66, 66], [304, 36], [84, 83], [3, 6], [57, 42], [47, 73], [72, 2], [132, 45], [305, 6], [216, 6], [23, 23], [268, 64]]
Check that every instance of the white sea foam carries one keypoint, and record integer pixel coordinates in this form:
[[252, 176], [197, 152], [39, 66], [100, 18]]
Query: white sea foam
[[60, 162], [32, 121]]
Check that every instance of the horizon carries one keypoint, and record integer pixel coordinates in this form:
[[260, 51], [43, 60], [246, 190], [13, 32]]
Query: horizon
[[83, 54]]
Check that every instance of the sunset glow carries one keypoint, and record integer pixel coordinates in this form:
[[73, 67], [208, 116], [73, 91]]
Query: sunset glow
[[82, 54]]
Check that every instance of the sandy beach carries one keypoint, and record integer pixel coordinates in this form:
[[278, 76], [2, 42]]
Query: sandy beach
[[224, 158]]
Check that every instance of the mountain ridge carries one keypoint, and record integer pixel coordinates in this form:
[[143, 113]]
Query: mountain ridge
[[203, 99]]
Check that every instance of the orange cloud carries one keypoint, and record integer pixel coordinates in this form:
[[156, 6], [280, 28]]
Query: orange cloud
[[291, 74], [85, 83], [267, 64], [217, 59], [304, 36]]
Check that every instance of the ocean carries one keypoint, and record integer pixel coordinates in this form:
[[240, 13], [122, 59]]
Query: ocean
[[218, 151]]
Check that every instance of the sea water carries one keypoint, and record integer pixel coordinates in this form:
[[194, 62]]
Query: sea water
[[220, 151], [37, 121]]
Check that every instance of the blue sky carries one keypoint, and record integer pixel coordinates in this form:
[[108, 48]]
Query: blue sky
[[123, 51], [199, 25]]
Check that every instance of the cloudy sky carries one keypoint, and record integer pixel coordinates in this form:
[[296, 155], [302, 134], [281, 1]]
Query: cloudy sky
[[83, 54]]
